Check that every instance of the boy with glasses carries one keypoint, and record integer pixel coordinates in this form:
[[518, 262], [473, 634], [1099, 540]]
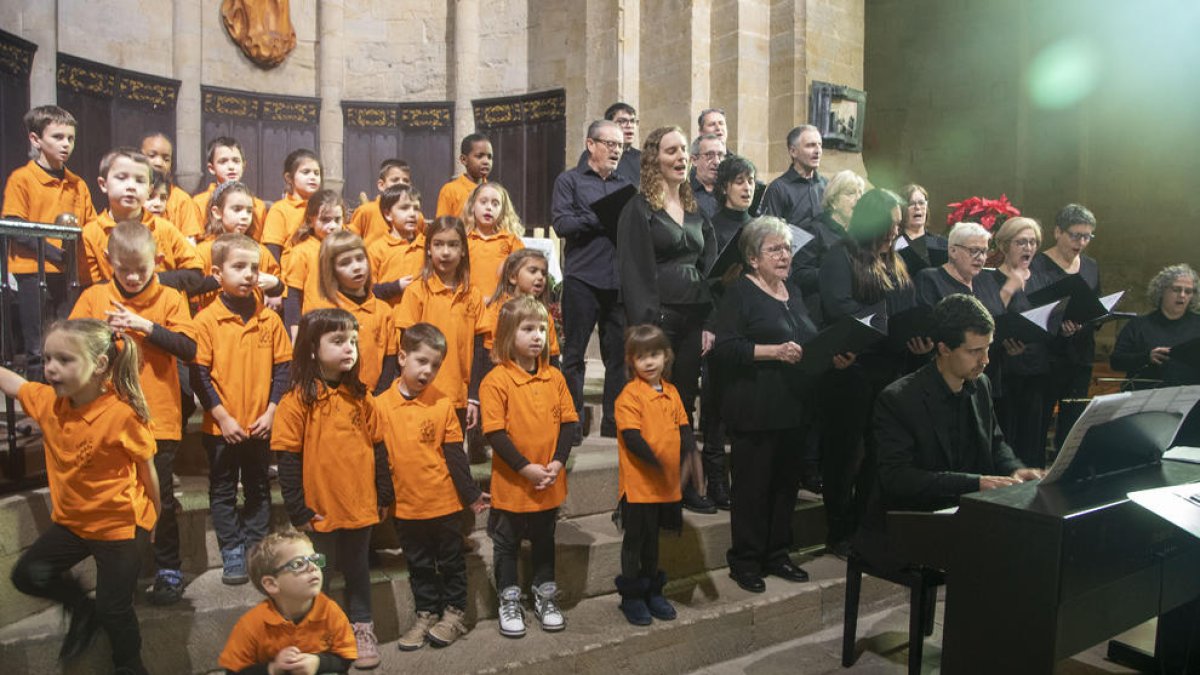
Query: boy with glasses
[[297, 628]]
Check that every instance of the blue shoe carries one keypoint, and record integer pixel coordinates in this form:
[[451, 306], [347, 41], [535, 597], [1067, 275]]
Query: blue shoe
[[633, 600], [658, 605], [233, 566], [168, 588]]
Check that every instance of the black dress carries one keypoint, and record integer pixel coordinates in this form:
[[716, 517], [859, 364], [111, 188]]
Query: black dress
[[806, 264], [765, 410], [1070, 357], [1026, 380]]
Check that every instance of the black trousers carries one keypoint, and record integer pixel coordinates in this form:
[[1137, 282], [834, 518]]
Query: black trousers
[[583, 307], [766, 476], [507, 529], [35, 316], [684, 325], [1020, 413], [437, 567], [639, 545], [847, 455], [227, 465], [1067, 381], [347, 551], [166, 532], [44, 571], [712, 454]]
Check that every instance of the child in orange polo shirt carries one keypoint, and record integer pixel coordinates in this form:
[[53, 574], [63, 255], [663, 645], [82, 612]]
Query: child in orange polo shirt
[[156, 317], [370, 220], [525, 273], [494, 231], [125, 177], [302, 180], [231, 211], [297, 628], [345, 283], [103, 487], [444, 297], [530, 421], [40, 192], [240, 374], [226, 164], [398, 257], [160, 192], [653, 434], [301, 262], [333, 467], [433, 485], [180, 210], [476, 159]]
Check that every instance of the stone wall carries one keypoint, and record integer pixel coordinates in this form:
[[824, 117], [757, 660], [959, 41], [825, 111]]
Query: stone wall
[[959, 115]]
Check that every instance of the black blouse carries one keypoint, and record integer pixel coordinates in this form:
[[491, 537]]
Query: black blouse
[[1080, 348], [1131, 354], [726, 223], [1035, 359], [760, 395], [935, 283], [660, 262]]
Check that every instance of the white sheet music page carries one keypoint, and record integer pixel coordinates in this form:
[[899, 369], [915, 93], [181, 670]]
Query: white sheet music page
[[800, 237], [1041, 315], [1109, 301], [1177, 400]]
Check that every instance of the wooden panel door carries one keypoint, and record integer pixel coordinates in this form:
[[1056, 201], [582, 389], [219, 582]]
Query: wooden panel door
[[528, 135], [16, 59]]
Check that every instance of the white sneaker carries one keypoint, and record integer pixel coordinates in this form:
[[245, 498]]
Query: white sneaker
[[512, 615], [546, 609]]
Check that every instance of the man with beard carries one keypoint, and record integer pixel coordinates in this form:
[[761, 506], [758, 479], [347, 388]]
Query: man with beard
[[589, 293]]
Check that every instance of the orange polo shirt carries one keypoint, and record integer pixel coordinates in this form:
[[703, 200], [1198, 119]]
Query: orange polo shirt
[[377, 336], [491, 316], [166, 307], [394, 257], [488, 253], [183, 213], [240, 357], [32, 194], [92, 456], [301, 269], [657, 415], [459, 315], [336, 436], [175, 251], [368, 222], [453, 196], [530, 408], [415, 432], [202, 199], [261, 633], [283, 219], [266, 263]]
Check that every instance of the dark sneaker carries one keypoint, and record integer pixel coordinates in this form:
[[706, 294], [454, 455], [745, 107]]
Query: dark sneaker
[[80, 631], [697, 503], [168, 588], [233, 567]]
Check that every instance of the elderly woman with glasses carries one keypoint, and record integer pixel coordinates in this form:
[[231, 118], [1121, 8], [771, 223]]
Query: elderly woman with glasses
[[1024, 368], [921, 247], [1074, 349], [967, 251], [1143, 348], [761, 324]]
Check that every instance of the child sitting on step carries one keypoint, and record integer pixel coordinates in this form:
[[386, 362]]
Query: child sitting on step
[[297, 628]]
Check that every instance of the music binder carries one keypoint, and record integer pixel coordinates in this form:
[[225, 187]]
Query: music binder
[[728, 257], [915, 322], [850, 334], [914, 262], [1083, 304], [1030, 326], [608, 208], [1187, 353], [760, 191]]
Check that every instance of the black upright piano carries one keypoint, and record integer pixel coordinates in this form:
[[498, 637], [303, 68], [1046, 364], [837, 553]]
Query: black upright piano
[[1035, 574]]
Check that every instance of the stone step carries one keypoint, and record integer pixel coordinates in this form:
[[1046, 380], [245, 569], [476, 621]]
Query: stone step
[[588, 557], [717, 621]]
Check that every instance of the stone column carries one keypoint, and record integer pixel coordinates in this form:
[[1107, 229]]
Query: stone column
[[39, 20], [188, 54], [789, 65], [330, 80], [465, 68]]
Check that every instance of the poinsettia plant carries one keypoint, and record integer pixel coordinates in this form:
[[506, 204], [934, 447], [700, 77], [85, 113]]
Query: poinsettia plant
[[986, 212]]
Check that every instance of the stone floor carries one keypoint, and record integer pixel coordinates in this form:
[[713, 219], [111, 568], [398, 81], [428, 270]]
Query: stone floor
[[883, 640]]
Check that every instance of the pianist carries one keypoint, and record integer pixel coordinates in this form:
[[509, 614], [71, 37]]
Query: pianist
[[936, 433]]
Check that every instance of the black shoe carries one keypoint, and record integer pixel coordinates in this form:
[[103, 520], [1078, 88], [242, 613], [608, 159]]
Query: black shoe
[[718, 492], [748, 581], [839, 549], [695, 502], [608, 429], [81, 631], [788, 570]]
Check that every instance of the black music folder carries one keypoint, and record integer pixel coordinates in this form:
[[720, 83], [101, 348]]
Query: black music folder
[[728, 257], [1187, 353], [938, 256], [1083, 305], [915, 322], [851, 334], [608, 208], [760, 191], [1033, 325]]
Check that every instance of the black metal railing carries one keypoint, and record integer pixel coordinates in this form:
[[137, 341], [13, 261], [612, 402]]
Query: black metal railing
[[31, 237]]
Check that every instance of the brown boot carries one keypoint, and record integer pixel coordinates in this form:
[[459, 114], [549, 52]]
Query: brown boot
[[414, 638], [450, 628]]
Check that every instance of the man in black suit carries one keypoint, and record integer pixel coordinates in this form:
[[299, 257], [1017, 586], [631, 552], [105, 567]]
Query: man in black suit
[[936, 432]]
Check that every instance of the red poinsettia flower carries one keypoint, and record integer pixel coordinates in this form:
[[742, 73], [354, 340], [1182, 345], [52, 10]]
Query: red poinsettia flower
[[986, 212]]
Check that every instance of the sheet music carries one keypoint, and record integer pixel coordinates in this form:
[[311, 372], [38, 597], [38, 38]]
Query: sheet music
[[1041, 315], [866, 320], [550, 248], [1178, 400], [1183, 453], [901, 244], [1109, 301], [800, 237]]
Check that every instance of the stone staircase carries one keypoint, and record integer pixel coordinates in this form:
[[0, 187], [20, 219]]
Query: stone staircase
[[717, 620]]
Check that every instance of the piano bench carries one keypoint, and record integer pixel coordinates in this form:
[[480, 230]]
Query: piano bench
[[922, 583]]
